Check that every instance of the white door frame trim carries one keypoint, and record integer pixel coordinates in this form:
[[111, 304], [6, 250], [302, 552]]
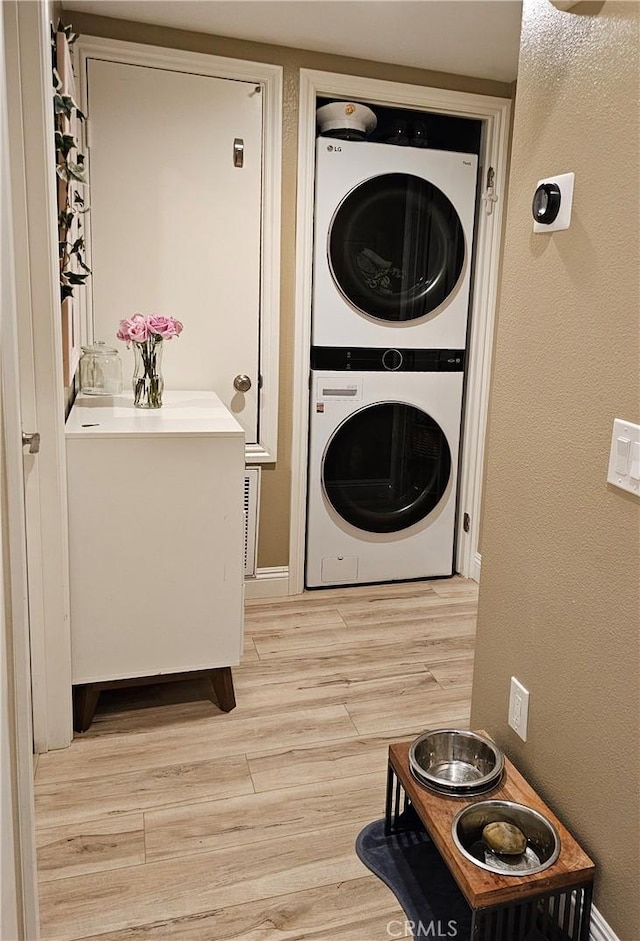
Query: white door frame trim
[[495, 114], [270, 77]]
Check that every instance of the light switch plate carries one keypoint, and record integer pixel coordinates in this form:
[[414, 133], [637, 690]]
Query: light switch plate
[[518, 708], [563, 219], [624, 457]]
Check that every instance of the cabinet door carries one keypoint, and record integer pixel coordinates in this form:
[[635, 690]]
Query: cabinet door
[[155, 554], [175, 225]]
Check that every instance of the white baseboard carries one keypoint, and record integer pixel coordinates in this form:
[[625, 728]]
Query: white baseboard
[[475, 567], [268, 583], [600, 930]]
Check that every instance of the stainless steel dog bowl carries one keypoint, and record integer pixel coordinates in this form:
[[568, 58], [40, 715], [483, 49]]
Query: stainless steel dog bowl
[[543, 842], [459, 790], [455, 762]]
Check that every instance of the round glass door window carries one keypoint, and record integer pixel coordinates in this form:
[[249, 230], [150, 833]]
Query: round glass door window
[[396, 247], [386, 467]]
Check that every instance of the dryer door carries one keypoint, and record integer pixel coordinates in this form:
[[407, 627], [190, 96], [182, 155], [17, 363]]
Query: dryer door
[[386, 467], [396, 247]]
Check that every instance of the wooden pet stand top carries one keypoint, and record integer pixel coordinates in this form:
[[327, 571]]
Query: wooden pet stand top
[[552, 904]]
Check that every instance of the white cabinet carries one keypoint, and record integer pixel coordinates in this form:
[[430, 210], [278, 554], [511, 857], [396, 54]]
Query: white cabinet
[[155, 537]]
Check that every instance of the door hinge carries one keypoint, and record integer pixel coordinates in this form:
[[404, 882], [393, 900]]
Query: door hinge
[[489, 195], [466, 522], [31, 439]]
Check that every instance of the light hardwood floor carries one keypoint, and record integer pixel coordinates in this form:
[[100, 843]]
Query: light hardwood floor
[[169, 819]]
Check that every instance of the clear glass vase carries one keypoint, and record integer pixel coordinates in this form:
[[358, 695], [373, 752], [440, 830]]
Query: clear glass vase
[[147, 373]]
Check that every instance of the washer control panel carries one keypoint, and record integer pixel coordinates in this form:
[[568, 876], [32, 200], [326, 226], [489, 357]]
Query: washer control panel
[[365, 359]]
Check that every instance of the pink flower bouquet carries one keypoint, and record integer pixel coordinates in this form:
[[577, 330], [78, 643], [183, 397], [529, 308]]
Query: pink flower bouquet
[[139, 328], [147, 334]]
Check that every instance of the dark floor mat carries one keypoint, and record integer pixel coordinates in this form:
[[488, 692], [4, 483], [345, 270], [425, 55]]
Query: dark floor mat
[[408, 862]]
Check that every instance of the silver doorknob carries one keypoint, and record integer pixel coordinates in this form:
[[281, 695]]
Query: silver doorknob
[[33, 440], [242, 383]]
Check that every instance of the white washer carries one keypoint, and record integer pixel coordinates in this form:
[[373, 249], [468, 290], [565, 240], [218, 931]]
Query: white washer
[[393, 245], [383, 468]]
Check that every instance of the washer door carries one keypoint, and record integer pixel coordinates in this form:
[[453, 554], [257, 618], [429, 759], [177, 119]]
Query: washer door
[[396, 247], [386, 467]]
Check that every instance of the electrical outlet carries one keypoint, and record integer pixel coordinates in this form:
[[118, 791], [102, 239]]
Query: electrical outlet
[[518, 708]]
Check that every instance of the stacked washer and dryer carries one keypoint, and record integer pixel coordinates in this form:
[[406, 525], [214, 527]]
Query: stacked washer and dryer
[[392, 265]]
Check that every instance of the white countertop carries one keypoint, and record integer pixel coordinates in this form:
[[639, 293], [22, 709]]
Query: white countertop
[[182, 413]]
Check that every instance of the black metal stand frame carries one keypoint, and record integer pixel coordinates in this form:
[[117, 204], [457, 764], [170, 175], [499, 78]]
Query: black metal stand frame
[[561, 915]]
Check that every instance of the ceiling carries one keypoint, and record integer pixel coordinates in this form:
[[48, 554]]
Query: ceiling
[[479, 38]]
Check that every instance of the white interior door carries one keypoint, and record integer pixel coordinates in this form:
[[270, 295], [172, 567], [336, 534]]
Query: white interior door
[[18, 904], [175, 225], [31, 158]]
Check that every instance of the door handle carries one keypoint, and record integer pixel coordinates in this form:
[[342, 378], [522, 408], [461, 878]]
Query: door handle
[[33, 440], [238, 152], [242, 383]]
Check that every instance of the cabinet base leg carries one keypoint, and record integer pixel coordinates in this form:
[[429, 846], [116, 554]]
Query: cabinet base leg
[[222, 682], [85, 700], [85, 696]]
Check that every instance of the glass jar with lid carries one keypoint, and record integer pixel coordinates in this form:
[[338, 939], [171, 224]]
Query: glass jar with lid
[[100, 370]]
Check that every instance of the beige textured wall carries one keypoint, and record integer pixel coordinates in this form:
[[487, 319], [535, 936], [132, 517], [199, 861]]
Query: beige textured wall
[[276, 479], [560, 592]]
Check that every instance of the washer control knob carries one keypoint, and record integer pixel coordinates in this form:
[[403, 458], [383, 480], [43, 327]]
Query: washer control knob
[[392, 359]]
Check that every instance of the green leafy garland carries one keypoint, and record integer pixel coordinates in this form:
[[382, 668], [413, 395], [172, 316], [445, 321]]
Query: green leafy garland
[[71, 170]]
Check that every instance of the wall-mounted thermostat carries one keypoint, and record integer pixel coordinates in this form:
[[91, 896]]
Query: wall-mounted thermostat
[[551, 206]]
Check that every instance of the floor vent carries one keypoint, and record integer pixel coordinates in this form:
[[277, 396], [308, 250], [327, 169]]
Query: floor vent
[[251, 503]]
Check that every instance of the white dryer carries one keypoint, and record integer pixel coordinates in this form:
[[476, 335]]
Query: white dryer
[[383, 465], [393, 245]]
